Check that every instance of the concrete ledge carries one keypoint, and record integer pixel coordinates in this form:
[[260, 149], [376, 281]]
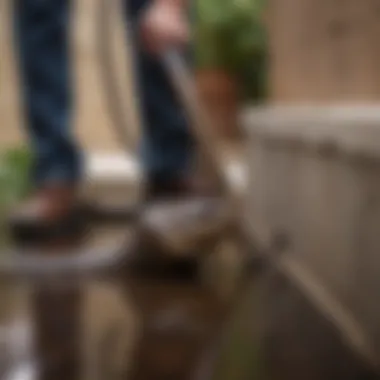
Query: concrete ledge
[[349, 129], [114, 167], [111, 173], [105, 171]]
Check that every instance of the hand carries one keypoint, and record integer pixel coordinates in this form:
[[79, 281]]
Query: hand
[[164, 25]]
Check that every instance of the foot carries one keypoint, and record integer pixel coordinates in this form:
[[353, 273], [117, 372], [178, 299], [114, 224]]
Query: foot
[[49, 205]]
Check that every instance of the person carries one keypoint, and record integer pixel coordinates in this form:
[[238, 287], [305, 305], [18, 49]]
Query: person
[[42, 36]]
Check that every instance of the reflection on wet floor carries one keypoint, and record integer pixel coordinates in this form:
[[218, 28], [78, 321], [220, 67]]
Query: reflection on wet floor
[[160, 326]]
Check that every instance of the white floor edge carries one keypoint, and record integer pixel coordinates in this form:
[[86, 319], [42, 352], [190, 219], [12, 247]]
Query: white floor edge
[[124, 168]]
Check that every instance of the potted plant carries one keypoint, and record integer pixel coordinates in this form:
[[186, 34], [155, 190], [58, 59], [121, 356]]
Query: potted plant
[[230, 58]]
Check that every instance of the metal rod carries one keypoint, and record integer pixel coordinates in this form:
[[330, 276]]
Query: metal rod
[[205, 135]]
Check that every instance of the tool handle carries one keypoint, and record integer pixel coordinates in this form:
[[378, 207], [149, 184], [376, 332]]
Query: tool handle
[[203, 131]]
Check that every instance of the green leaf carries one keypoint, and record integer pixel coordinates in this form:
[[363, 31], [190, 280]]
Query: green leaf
[[14, 182]]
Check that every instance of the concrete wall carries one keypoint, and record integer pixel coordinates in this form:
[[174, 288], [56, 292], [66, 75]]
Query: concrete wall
[[314, 206]]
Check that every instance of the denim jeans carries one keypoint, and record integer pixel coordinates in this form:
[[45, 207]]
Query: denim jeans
[[42, 36]]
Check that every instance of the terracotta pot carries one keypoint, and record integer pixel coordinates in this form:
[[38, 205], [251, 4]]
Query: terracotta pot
[[218, 91]]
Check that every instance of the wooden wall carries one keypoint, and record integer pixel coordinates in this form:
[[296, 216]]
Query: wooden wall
[[324, 50]]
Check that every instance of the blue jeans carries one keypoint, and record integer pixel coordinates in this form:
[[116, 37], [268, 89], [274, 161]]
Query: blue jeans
[[42, 28]]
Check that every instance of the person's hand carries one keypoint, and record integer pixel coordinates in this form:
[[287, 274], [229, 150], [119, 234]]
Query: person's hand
[[164, 25]]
